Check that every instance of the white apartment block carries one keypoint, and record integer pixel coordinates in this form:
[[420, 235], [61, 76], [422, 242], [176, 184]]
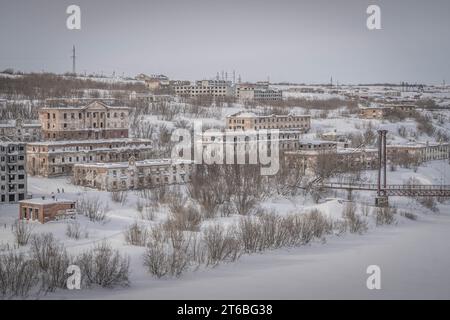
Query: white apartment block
[[215, 88], [251, 121], [13, 177], [132, 174], [257, 92]]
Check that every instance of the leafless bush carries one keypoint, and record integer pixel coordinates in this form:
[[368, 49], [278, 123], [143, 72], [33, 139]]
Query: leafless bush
[[184, 217], [148, 213], [92, 208], [271, 231], [104, 266], [226, 209], [18, 275], [429, 203], [119, 196], [408, 215], [75, 231], [424, 123], [22, 232], [136, 235], [385, 215], [52, 260], [355, 223], [156, 260], [221, 245], [168, 252], [139, 206]]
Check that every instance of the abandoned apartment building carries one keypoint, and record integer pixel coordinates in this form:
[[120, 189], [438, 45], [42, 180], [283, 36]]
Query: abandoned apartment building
[[82, 134], [95, 120], [13, 178], [250, 140], [57, 158], [251, 121], [132, 174]]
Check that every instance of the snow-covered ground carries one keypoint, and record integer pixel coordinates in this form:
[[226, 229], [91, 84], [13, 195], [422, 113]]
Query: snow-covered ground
[[413, 258], [413, 255]]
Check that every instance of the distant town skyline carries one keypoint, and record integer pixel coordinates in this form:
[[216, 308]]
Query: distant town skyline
[[289, 41]]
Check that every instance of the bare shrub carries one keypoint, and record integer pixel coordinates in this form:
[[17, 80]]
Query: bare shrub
[[156, 260], [385, 215], [75, 231], [22, 232], [139, 206], [226, 209], [271, 231], [317, 223], [408, 215], [168, 252], [119, 196], [104, 267], [429, 203], [249, 233], [52, 260], [148, 213], [184, 217], [18, 275], [221, 245], [355, 223], [136, 235], [92, 208]]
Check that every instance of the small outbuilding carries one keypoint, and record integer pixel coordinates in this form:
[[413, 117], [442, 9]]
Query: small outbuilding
[[45, 210]]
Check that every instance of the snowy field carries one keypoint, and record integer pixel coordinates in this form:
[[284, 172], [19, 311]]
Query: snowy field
[[413, 255]]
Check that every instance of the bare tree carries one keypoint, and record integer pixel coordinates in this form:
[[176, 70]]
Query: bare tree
[[22, 232]]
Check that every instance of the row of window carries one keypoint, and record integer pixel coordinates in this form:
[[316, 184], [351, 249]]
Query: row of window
[[12, 197], [87, 115], [12, 148]]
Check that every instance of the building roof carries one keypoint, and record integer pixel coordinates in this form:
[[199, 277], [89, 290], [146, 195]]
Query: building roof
[[82, 107], [142, 163], [249, 114], [41, 201], [78, 142]]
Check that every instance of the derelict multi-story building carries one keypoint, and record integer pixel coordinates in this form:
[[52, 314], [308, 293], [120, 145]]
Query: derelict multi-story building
[[251, 121], [93, 121], [215, 88], [132, 174], [57, 158], [82, 134], [13, 178]]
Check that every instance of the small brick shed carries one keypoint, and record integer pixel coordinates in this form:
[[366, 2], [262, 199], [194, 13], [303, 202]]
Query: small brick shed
[[45, 210]]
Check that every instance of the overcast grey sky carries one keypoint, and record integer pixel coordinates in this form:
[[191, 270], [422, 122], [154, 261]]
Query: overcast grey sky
[[288, 40]]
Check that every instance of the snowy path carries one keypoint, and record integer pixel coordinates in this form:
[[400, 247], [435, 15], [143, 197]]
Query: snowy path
[[414, 261]]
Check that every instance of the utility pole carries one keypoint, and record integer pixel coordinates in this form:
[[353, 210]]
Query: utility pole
[[73, 60]]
